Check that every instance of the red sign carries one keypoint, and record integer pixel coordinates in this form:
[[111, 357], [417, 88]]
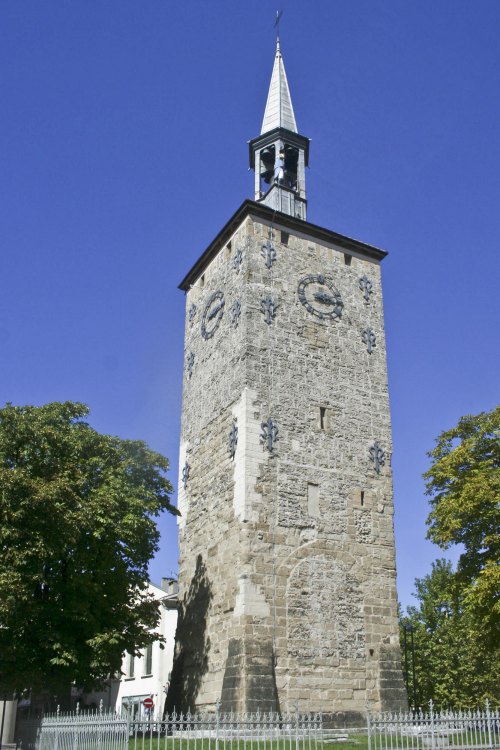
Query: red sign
[[148, 703]]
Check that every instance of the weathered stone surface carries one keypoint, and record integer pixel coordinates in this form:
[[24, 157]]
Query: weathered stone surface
[[290, 552]]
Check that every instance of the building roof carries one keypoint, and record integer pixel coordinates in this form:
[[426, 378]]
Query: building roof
[[279, 110], [276, 218]]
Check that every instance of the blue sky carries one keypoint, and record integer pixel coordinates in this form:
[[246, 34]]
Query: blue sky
[[123, 150]]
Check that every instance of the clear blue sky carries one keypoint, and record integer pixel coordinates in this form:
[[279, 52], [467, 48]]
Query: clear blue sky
[[123, 130]]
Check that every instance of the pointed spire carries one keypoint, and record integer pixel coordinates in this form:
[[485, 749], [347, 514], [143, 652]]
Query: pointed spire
[[279, 110]]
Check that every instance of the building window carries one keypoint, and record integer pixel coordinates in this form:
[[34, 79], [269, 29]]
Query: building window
[[362, 497], [322, 417], [130, 665], [133, 706], [284, 238], [347, 259], [148, 659]]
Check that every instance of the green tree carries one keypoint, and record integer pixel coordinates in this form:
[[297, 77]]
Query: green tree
[[77, 530], [454, 664], [464, 484]]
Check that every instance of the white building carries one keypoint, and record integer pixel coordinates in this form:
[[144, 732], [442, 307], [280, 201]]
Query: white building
[[147, 675]]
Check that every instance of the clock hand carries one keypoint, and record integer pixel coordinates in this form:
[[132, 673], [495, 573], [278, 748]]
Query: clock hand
[[324, 298], [214, 312]]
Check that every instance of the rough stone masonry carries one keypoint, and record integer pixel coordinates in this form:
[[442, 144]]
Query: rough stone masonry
[[287, 565]]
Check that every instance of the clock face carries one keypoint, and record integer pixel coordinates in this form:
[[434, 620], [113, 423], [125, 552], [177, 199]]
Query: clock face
[[320, 297], [212, 315]]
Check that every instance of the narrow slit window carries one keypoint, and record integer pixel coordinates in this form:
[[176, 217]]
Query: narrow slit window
[[362, 497], [322, 417], [284, 238], [202, 280], [347, 259], [313, 499]]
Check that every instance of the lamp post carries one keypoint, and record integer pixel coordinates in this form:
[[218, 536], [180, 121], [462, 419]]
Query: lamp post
[[408, 628], [2, 722]]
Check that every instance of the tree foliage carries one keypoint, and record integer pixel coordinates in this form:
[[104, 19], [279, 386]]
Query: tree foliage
[[455, 666], [464, 484], [77, 530], [456, 623]]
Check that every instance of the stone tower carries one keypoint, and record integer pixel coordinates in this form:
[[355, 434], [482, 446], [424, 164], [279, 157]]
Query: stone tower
[[287, 568]]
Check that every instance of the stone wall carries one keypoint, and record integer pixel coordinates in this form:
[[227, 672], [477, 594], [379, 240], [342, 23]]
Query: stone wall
[[294, 546]]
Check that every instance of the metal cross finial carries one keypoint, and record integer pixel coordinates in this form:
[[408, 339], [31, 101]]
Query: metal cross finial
[[235, 312], [237, 259], [366, 286], [233, 438], [186, 469], [377, 455], [279, 13], [268, 252], [369, 338], [269, 433], [268, 307]]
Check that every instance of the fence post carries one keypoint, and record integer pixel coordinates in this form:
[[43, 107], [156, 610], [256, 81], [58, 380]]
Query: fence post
[[75, 733], [369, 726], [56, 743], [217, 724], [297, 726], [431, 714], [488, 722]]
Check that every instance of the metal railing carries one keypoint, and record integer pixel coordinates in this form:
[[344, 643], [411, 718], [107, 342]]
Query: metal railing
[[432, 729], [83, 731], [202, 731]]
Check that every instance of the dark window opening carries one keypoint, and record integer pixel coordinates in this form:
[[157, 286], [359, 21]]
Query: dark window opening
[[131, 665], [284, 238], [148, 659], [322, 415], [362, 497], [371, 652], [202, 280], [291, 165], [279, 167], [347, 259], [266, 168]]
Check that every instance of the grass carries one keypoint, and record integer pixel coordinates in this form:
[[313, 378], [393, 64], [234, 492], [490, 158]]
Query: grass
[[353, 742]]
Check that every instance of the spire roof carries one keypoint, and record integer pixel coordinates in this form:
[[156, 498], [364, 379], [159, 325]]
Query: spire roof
[[279, 110]]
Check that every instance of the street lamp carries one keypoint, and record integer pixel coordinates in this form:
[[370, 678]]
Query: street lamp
[[408, 628]]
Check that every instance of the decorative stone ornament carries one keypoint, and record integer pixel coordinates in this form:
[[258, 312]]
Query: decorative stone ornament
[[370, 339], [192, 312], [212, 315], [269, 434], [377, 455], [186, 470], [234, 313], [268, 308], [320, 297], [233, 438], [190, 363], [366, 286]]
